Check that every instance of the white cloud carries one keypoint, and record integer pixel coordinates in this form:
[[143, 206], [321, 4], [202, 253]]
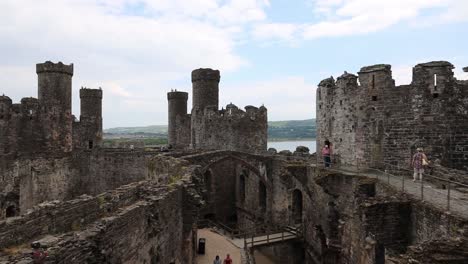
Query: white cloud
[[338, 18], [271, 31], [283, 96], [136, 50]]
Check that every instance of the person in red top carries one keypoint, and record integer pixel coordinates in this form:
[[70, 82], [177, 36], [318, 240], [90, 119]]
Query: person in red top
[[228, 260], [326, 153]]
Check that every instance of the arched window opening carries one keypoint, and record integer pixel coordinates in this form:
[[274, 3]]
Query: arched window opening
[[297, 206], [262, 196], [242, 188], [10, 211]]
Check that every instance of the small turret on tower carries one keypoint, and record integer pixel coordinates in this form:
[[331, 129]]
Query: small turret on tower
[[375, 79], [205, 84], [177, 104], [91, 118], [434, 75]]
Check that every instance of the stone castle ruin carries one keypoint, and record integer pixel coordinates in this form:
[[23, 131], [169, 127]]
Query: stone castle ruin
[[207, 127], [63, 193]]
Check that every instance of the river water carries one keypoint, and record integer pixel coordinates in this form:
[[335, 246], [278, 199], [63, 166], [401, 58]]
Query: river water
[[291, 145]]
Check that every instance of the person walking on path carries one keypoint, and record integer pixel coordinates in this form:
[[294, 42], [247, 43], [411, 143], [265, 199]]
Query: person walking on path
[[217, 260], [418, 162], [228, 260], [326, 153]]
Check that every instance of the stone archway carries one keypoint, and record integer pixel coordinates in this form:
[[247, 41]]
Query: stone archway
[[297, 206], [10, 211], [233, 186]]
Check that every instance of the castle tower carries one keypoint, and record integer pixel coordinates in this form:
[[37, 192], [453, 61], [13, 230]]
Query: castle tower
[[54, 87], [90, 118], [177, 103], [205, 85]]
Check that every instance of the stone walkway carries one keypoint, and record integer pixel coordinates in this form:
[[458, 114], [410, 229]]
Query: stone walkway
[[431, 194]]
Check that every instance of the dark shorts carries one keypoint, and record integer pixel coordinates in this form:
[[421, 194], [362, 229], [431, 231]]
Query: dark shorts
[[327, 161]]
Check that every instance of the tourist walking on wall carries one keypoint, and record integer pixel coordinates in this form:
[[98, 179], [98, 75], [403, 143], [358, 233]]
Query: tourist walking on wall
[[228, 260], [326, 153], [217, 260], [418, 163]]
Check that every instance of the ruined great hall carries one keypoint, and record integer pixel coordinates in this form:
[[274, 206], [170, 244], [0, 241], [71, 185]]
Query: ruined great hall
[[84, 203]]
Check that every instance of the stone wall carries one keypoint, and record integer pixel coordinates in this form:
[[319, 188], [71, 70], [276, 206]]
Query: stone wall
[[144, 222], [231, 129], [28, 181], [377, 122]]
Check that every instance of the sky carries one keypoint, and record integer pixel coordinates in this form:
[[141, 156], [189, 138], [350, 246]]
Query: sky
[[269, 52]]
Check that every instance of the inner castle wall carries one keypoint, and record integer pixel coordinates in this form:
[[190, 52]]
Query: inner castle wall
[[209, 128]]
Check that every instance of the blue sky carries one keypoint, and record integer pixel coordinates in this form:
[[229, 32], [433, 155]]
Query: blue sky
[[269, 52]]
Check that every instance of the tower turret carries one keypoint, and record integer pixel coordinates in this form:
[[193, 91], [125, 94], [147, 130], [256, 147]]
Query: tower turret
[[205, 83], [54, 94], [435, 76], [177, 103], [5, 105], [90, 118]]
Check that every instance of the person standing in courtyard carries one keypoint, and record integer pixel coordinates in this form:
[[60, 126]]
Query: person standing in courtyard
[[217, 260], [326, 153], [228, 260], [418, 162]]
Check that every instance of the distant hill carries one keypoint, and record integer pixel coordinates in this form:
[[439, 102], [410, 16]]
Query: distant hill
[[161, 129], [277, 130], [291, 130]]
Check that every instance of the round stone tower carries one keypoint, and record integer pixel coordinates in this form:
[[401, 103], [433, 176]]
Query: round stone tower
[[205, 85], [177, 107], [54, 94], [91, 117]]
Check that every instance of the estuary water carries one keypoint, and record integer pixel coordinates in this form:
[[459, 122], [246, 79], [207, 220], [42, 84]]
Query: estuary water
[[291, 145]]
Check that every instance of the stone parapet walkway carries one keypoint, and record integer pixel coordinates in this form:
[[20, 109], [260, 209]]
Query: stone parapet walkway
[[431, 193]]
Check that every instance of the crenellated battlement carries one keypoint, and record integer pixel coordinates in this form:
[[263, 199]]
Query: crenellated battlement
[[88, 92], [205, 74], [327, 83], [59, 67], [5, 100], [233, 112], [376, 68], [177, 95]]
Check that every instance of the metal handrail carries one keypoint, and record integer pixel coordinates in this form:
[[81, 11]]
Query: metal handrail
[[425, 174], [233, 232], [399, 169], [291, 233]]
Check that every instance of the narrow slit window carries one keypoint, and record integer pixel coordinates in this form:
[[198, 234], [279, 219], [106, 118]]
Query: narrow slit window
[[373, 81], [90, 144], [435, 82]]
